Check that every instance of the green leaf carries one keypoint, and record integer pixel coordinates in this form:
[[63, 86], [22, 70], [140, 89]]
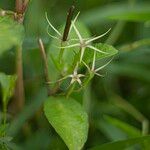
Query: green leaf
[[11, 33], [128, 129], [119, 11], [3, 128], [7, 84], [69, 120], [121, 145], [110, 51]]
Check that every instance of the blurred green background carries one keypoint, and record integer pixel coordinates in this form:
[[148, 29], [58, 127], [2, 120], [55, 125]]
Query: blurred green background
[[124, 92]]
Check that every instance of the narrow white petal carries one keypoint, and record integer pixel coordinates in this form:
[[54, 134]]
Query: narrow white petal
[[70, 46], [99, 75], [59, 79], [81, 75], [54, 37], [82, 53], [98, 37], [71, 76], [94, 57], [75, 19], [96, 49], [75, 70], [77, 32], [74, 39], [103, 66], [52, 25], [72, 81], [79, 81]]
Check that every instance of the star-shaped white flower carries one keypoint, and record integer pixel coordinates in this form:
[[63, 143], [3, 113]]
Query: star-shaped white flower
[[92, 69], [75, 77], [85, 43]]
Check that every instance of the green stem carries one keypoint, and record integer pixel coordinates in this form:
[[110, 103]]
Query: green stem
[[44, 57], [19, 91], [70, 90], [19, 4], [4, 116], [61, 53], [88, 79]]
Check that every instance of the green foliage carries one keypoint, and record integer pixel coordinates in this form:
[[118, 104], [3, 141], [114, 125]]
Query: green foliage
[[131, 131], [68, 119], [123, 92], [7, 84], [110, 51], [120, 11], [11, 33], [140, 141]]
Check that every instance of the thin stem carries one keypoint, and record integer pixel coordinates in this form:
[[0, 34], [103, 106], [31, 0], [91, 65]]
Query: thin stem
[[61, 52], [66, 30], [44, 57], [4, 116], [68, 22], [19, 4], [25, 4], [19, 91], [70, 90]]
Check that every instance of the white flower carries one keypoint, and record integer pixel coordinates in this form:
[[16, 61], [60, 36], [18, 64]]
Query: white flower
[[85, 43], [92, 69], [75, 77]]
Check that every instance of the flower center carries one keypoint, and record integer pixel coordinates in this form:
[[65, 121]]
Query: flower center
[[83, 44]]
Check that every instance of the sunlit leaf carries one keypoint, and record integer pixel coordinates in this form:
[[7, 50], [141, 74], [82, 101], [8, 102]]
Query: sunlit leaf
[[11, 33], [110, 51], [7, 83], [69, 120]]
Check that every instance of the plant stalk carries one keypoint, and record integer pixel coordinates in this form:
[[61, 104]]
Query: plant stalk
[[66, 30], [44, 57], [70, 90], [19, 91]]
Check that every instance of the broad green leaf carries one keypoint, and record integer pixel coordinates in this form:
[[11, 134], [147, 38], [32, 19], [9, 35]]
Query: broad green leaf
[[11, 33], [110, 51], [121, 145], [119, 11], [7, 83], [128, 129], [68, 119]]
